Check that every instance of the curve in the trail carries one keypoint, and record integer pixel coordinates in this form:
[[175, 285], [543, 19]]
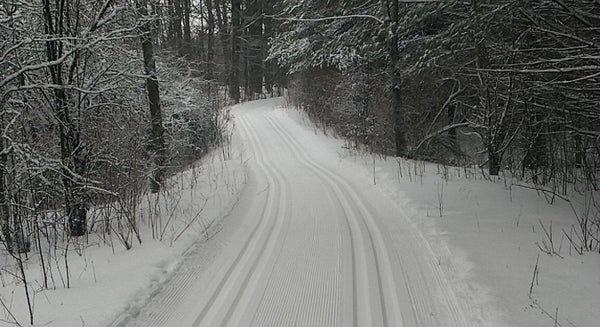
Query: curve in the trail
[[420, 293], [227, 295], [298, 311], [254, 282], [356, 211], [300, 304], [314, 250]]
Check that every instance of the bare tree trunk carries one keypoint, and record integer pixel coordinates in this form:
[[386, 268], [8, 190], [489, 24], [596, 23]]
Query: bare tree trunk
[[254, 49], [234, 74], [391, 10], [269, 68], [171, 21], [536, 154], [157, 140], [210, 21], [158, 27], [245, 62], [187, 33], [482, 62], [4, 210], [70, 146], [177, 25]]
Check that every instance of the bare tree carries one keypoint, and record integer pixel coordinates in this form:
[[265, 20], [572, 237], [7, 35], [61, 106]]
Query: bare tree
[[157, 140]]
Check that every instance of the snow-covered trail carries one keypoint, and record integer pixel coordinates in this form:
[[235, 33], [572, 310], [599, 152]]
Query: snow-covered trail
[[314, 246]]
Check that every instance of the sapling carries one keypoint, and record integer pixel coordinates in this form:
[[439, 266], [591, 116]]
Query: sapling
[[374, 175], [440, 197], [171, 215], [534, 278], [23, 276], [399, 162], [518, 217], [13, 320], [197, 217], [562, 238], [547, 247]]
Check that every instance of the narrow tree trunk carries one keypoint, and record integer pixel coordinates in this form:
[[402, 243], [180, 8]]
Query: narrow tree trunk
[[70, 146], [158, 27], [225, 36], [269, 68], [171, 21], [399, 123], [209, 39], [246, 70], [579, 151], [494, 161], [4, 206], [73, 164], [452, 132], [187, 32], [177, 24], [494, 156], [157, 141], [391, 9], [226, 47], [234, 74], [535, 157], [254, 51], [4, 210]]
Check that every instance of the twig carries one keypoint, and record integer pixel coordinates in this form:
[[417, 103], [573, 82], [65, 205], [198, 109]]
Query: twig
[[15, 321], [192, 221]]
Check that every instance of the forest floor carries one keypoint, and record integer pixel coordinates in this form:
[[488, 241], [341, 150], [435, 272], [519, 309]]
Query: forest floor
[[320, 235]]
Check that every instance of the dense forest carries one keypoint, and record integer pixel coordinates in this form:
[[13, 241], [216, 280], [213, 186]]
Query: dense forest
[[409, 78], [101, 101], [509, 86]]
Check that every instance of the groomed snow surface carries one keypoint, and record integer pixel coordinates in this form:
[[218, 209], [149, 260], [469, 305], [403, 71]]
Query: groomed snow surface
[[304, 232]]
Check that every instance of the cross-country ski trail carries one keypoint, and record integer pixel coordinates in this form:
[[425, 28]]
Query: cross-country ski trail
[[307, 244]]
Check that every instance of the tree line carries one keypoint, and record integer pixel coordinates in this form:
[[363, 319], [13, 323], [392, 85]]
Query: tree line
[[519, 75], [92, 96], [227, 38], [97, 102], [510, 86], [100, 102]]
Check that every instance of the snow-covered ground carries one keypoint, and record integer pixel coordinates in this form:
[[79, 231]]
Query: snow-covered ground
[[108, 282], [323, 236], [486, 235]]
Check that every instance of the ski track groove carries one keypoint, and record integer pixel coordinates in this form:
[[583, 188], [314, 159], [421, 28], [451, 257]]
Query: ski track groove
[[267, 252], [339, 206], [262, 287], [301, 155], [314, 295], [168, 299], [269, 255], [455, 316], [285, 281], [251, 140], [222, 294]]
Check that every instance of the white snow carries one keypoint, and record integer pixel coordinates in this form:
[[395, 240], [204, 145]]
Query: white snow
[[107, 285], [486, 239], [313, 241]]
